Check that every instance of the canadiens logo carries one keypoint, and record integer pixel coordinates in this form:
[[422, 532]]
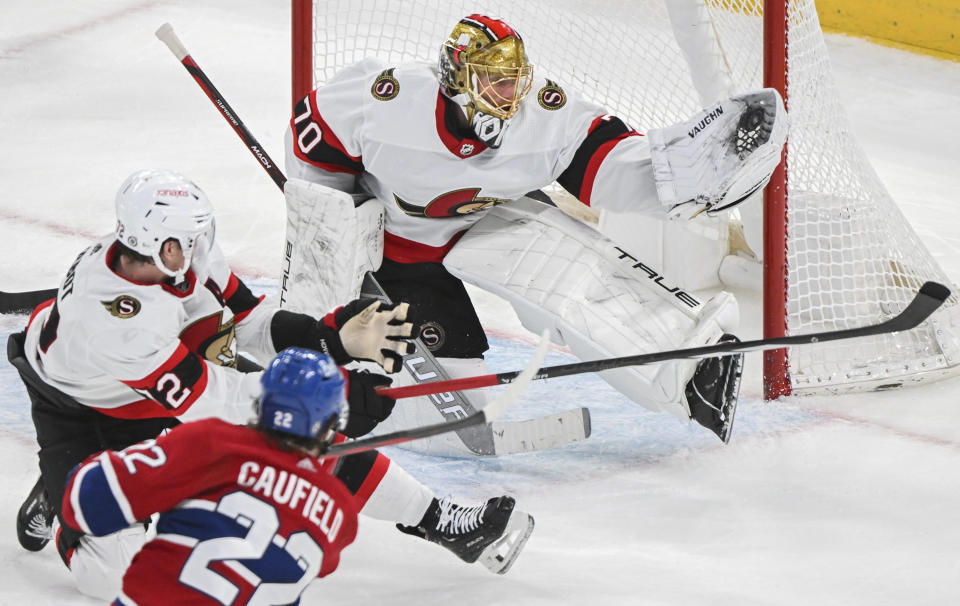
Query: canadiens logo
[[385, 87], [451, 204], [122, 307], [551, 96]]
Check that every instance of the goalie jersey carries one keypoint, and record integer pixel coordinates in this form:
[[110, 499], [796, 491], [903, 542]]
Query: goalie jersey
[[133, 350], [241, 521], [390, 132]]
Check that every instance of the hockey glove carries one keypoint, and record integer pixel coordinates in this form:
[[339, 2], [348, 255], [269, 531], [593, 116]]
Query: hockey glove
[[367, 407], [721, 156], [373, 331]]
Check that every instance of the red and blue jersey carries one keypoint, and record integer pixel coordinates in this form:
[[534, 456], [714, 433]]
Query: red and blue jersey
[[241, 521]]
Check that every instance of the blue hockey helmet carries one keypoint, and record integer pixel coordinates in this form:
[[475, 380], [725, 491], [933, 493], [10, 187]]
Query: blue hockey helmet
[[304, 394]]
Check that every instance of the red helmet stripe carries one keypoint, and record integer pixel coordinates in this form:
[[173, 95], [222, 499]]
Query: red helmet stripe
[[494, 28]]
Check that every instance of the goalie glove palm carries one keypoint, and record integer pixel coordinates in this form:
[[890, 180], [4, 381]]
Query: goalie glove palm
[[721, 156], [370, 330]]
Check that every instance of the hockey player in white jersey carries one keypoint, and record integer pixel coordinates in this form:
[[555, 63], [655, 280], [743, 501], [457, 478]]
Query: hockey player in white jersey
[[440, 146], [145, 332]]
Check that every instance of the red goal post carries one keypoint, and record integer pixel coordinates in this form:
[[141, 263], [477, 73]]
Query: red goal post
[[836, 251]]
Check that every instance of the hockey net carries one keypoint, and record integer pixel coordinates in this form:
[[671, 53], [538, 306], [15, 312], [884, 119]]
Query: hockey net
[[851, 257]]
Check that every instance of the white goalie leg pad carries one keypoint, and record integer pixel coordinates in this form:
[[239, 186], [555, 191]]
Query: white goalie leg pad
[[330, 246], [565, 276], [689, 251], [722, 155], [436, 408]]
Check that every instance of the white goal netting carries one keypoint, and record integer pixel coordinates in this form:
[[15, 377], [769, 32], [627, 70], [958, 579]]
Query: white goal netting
[[852, 257]]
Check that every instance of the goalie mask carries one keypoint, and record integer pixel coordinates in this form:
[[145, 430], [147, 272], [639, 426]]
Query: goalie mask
[[484, 69], [154, 206]]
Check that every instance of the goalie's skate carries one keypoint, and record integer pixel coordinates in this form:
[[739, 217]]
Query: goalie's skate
[[492, 533], [35, 519], [713, 391]]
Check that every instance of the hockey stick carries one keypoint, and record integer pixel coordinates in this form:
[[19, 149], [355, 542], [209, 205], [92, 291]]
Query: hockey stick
[[930, 297], [483, 416], [501, 438], [22, 302], [498, 437]]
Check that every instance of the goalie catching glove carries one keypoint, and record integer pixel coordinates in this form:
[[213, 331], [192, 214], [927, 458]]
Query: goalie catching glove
[[721, 156], [364, 329]]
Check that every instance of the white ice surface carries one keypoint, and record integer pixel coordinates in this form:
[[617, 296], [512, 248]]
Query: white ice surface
[[851, 500]]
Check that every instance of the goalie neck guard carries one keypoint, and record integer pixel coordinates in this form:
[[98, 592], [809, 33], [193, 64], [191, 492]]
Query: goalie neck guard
[[484, 69]]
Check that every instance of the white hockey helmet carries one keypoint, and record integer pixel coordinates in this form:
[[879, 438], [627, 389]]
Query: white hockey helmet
[[154, 206]]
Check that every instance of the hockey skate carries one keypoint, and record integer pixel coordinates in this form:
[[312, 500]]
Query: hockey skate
[[712, 392], [35, 519], [493, 532]]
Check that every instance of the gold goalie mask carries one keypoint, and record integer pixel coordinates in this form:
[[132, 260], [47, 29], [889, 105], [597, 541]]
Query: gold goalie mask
[[484, 69]]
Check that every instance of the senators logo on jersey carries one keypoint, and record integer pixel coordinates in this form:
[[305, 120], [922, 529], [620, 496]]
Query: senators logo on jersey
[[212, 339], [551, 96], [451, 204], [122, 307], [385, 87]]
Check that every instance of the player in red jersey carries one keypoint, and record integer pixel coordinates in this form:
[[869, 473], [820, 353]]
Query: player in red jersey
[[249, 514], [145, 332]]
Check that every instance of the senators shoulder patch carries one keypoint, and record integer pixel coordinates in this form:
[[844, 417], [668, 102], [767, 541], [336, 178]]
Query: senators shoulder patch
[[122, 307], [551, 96], [385, 87]]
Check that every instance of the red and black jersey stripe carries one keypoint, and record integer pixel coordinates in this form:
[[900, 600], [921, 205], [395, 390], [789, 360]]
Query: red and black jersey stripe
[[48, 332], [239, 299], [316, 143], [604, 134], [176, 384], [361, 472]]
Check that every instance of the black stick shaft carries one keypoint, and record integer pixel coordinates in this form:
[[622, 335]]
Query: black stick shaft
[[166, 34], [930, 297], [21, 302]]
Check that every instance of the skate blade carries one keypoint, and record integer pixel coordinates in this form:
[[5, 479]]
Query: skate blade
[[499, 556], [733, 398]]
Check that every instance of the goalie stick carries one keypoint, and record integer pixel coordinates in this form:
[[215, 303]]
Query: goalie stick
[[930, 297], [483, 416], [504, 437]]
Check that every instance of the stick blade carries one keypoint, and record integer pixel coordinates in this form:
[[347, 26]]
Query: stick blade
[[496, 408], [935, 291], [929, 298]]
